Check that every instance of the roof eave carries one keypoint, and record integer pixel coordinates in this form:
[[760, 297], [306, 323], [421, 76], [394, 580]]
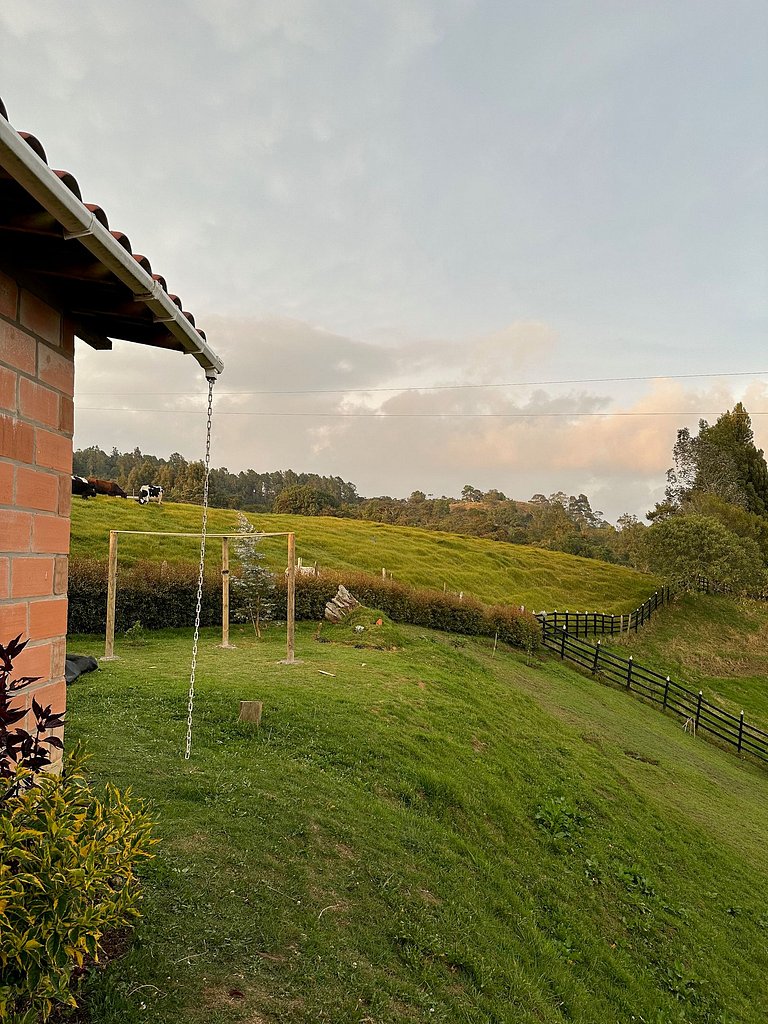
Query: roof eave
[[78, 222]]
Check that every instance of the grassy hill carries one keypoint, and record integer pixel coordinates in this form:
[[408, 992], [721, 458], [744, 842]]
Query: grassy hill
[[713, 643], [491, 571], [431, 834]]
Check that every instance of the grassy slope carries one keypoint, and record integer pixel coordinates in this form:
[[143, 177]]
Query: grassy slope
[[372, 854], [716, 644], [489, 570]]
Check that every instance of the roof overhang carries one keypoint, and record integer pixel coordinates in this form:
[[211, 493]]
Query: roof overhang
[[63, 250]]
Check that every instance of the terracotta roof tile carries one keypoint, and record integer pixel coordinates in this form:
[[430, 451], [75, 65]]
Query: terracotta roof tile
[[35, 248]]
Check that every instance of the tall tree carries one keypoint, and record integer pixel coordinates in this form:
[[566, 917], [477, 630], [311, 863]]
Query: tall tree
[[685, 547], [732, 438]]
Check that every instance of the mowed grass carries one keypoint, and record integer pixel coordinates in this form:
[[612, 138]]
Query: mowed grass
[[491, 571], [712, 643], [420, 835]]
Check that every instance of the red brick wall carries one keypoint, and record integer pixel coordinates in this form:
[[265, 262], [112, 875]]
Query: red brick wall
[[36, 424]]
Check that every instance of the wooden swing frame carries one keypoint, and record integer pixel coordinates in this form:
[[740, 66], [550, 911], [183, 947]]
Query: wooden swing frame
[[109, 639]]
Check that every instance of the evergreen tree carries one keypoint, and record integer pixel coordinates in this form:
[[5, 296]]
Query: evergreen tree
[[253, 588]]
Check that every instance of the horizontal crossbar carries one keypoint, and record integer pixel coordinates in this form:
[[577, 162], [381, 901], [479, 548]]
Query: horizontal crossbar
[[235, 535]]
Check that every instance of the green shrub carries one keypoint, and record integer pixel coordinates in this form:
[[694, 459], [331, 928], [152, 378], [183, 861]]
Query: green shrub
[[158, 594], [164, 595], [67, 875]]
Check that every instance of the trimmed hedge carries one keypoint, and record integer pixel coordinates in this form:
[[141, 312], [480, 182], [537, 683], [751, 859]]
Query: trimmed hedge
[[157, 594], [161, 594]]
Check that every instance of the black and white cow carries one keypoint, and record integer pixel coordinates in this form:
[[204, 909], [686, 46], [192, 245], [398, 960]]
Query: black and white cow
[[83, 487], [150, 491]]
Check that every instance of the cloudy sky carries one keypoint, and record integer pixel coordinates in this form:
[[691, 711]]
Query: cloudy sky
[[365, 202]]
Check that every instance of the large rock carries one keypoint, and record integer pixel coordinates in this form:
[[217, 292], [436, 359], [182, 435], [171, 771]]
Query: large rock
[[340, 605]]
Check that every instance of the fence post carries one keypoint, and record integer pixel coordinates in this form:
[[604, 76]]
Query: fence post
[[565, 627], [629, 672], [666, 694], [698, 709], [741, 730], [225, 593], [109, 640], [597, 657], [637, 618], [562, 642], [291, 601], [613, 623]]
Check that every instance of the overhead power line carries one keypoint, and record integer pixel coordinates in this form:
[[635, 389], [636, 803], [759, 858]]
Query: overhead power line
[[411, 415], [449, 387]]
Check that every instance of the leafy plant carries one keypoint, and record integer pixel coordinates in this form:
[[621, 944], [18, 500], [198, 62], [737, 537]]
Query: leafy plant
[[559, 818], [67, 875], [136, 635], [19, 746]]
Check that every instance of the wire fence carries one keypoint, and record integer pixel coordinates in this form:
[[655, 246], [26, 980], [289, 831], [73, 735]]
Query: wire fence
[[698, 713]]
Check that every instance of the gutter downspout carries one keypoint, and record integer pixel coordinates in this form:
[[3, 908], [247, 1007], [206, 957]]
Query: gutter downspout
[[39, 180]]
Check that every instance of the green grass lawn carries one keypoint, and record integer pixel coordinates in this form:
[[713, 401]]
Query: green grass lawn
[[426, 834], [489, 570], [712, 643]]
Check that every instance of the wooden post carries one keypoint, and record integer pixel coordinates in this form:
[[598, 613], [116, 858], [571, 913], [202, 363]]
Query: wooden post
[[250, 711], [225, 594], [698, 709], [629, 672], [666, 694], [741, 730], [291, 602], [109, 644], [383, 573], [562, 642], [597, 657]]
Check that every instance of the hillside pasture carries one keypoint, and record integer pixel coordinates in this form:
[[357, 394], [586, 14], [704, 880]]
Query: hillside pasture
[[432, 834], [491, 571], [715, 643]]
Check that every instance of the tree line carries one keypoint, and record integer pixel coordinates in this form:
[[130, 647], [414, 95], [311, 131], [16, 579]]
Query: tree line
[[559, 521], [712, 522], [182, 480]]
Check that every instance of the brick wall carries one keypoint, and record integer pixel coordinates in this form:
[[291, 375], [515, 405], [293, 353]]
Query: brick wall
[[36, 424]]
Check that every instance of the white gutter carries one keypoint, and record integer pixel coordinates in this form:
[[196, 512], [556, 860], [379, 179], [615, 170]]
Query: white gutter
[[78, 222]]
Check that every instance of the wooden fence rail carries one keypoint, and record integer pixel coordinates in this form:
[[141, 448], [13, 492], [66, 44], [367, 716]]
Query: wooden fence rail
[[699, 713], [605, 623], [609, 624]]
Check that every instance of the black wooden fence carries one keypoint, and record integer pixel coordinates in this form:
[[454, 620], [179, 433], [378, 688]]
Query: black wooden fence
[[606, 624], [699, 714]]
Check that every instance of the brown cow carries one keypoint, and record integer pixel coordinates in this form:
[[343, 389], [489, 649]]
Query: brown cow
[[107, 487]]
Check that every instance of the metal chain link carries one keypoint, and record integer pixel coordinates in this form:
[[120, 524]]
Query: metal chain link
[[191, 702]]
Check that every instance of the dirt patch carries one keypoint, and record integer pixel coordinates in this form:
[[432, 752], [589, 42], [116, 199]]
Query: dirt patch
[[641, 757], [592, 739], [478, 746], [237, 996], [429, 897]]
